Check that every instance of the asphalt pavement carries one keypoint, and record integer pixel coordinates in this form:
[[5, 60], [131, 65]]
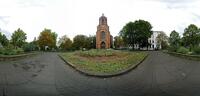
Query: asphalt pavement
[[47, 75]]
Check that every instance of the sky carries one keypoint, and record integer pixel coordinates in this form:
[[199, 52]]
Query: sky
[[73, 17]]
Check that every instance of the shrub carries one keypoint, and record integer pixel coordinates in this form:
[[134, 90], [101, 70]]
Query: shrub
[[196, 50], [1, 50], [19, 51], [96, 53], [172, 49], [183, 50], [10, 50], [29, 47]]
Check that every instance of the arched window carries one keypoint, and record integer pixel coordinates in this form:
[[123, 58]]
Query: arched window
[[102, 21], [103, 35]]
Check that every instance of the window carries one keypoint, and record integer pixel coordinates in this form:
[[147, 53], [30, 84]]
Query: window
[[103, 35]]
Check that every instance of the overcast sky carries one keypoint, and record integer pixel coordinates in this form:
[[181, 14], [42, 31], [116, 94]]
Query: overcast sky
[[72, 17]]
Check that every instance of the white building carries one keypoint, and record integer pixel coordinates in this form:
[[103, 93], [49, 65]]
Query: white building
[[153, 41]]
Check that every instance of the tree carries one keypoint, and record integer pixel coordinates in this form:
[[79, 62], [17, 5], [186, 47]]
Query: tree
[[137, 32], [144, 32], [80, 41], [191, 36], [18, 38], [3, 40], [65, 43], [92, 42], [54, 36], [162, 40], [118, 42], [174, 39], [47, 39], [129, 34]]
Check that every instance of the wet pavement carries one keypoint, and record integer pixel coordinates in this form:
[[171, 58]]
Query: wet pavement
[[47, 75]]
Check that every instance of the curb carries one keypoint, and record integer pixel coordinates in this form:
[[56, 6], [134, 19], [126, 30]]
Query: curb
[[86, 73], [190, 57], [15, 57]]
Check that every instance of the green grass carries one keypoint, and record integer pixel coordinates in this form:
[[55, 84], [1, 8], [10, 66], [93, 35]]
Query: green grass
[[103, 61]]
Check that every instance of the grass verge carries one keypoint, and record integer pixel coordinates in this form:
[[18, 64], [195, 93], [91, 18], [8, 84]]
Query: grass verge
[[186, 56], [103, 61]]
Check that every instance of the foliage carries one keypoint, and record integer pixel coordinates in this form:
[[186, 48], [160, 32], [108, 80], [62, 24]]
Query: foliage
[[54, 36], [92, 42], [10, 50], [174, 39], [196, 50], [29, 47], [183, 50], [162, 40], [18, 38], [3, 40], [80, 42], [191, 36], [136, 32], [65, 43], [104, 64], [47, 38], [96, 53], [172, 49], [118, 41]]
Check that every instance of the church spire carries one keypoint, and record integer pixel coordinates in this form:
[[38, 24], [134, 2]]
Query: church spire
[[102, 20]]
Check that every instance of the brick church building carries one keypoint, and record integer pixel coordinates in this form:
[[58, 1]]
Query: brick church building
[[103, 37]]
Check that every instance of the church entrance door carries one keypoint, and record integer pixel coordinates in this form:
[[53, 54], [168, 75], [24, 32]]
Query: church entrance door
[[103, 45]]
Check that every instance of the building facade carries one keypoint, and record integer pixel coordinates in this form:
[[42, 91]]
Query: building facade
[[103, 37], [152, 41]]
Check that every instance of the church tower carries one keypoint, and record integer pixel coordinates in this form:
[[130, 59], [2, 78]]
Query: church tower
[[103, 40]]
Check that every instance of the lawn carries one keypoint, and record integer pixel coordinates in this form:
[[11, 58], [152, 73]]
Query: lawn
[[103, 61]]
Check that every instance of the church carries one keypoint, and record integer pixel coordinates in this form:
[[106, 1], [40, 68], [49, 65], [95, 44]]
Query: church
[[103, 37]]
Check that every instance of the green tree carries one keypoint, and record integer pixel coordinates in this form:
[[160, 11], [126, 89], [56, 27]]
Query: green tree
[[54, 36], [118, 42], [92, 42], [47, 38], [3, 40], [65, 43], [191, 36], [144, 32], [162, 40], [80, 41], [128, 34], [137, 32], [18, 38], [174, 39]]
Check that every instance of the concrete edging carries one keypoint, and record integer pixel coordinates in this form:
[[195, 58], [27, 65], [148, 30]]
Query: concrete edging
[[191, 57], [15, 57], [103, 75]]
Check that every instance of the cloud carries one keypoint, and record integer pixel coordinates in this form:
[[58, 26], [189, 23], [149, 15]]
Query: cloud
[[30, 3], [177, 1], [4, 19], [72, 17], [179, 4], [7, 33]]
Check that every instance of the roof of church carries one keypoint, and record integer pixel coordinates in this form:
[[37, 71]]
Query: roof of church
[[103, 16]]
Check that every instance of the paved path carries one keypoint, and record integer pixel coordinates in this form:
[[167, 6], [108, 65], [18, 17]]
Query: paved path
[[47, 75]]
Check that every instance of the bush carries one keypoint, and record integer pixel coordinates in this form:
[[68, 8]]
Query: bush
[[29, 47], [172, 49], [1, 50], [183, 50], [97, 53], [10, 50], [196, 50]]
